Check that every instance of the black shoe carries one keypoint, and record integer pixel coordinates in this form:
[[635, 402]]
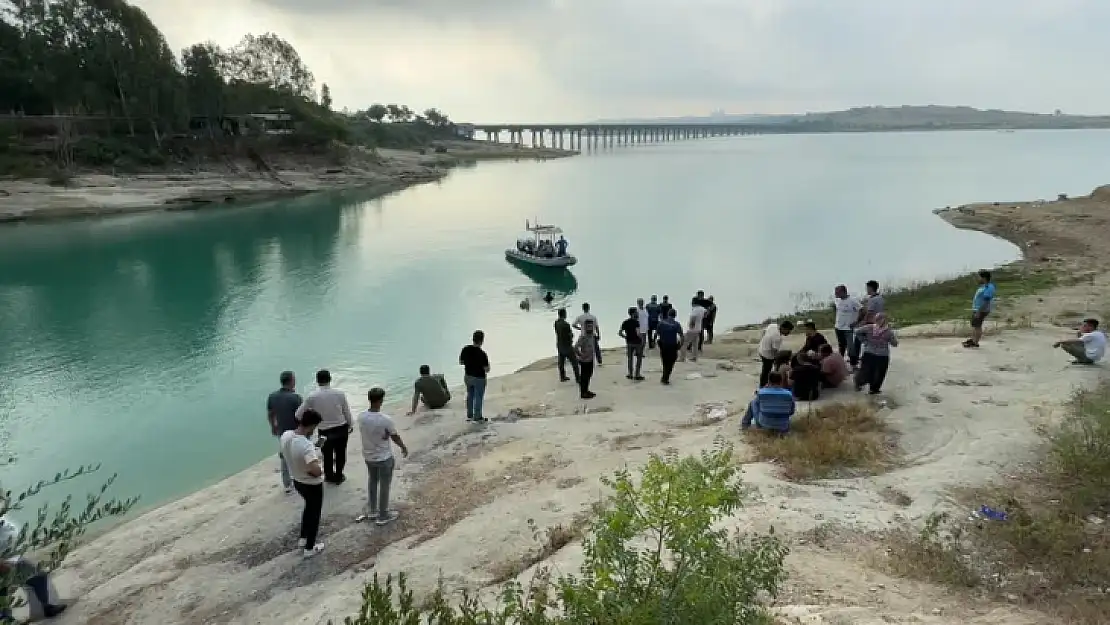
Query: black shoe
[[638, 378], [564, 379], [629, 376], [50, 611], [339, 479], [664, 381], [588, 395]]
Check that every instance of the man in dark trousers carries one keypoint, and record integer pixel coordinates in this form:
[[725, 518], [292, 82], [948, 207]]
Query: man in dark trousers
[[281, 411], [653, 311], [308, 477], [335, 427], [669, 341], [475, 364], [564, 346]]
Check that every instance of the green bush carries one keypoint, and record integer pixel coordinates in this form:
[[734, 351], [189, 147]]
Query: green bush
[[653, 556]]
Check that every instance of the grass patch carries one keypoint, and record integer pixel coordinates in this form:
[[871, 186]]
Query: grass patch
[[942, 300], [829, 441], [550, 540], [1053, 550]]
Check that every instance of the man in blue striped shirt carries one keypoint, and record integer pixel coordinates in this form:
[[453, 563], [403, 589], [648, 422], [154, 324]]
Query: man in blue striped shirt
[[771, 408]]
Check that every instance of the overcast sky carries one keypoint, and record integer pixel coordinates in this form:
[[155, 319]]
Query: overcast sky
[[576, 60]]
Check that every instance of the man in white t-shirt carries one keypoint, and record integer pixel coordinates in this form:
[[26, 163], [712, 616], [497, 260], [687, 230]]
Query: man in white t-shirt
[[1090, 347], [644, 319], [691, 338], [378, 433], [847, 312], [769, 346], [307, 471], [580, 322]]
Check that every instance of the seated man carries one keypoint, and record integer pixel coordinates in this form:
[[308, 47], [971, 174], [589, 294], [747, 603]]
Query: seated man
[[834, 369], [805, 377], [771, 408], [432, 389], [19, 572], [814, 339], [1090, 347]]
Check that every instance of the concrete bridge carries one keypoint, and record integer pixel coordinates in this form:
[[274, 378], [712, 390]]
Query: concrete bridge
[[577, 136]]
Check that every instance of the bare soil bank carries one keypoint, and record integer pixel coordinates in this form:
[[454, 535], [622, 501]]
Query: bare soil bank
[[238, 182]]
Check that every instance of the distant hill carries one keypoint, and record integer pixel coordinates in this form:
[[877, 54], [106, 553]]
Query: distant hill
[[879, 118]]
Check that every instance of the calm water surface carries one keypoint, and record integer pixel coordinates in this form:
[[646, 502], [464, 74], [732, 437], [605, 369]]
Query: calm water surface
[[149, 343]]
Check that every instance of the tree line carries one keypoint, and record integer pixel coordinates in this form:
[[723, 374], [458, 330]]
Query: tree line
[[105, 58]]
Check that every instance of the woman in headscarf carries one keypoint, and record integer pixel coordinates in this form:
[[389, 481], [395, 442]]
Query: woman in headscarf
[[877, 338]]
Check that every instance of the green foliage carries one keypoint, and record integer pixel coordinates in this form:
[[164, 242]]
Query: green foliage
[[55, 532], [654, 556]]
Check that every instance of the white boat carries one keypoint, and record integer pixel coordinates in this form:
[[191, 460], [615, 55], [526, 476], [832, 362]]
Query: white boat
[[539, 248]]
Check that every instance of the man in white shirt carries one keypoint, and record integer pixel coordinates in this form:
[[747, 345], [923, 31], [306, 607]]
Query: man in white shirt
[[847, 312], [337, 424], [1090, 347], [691, 338], [580, 322], [20, 572], [308, 477], [643, 319], [378, 432], [769, 347]]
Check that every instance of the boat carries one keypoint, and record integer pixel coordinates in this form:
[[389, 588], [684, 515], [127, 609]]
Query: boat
[[538, 248]]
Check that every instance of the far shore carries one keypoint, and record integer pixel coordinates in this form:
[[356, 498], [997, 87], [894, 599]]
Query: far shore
[[471, 496], [238, 184]]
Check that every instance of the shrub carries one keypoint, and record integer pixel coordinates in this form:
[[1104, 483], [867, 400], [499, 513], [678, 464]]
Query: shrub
[[653, 556], [55, 533]]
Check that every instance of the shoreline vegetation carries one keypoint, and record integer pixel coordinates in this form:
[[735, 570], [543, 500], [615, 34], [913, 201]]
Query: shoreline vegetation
[[861, 498], [99, 116]]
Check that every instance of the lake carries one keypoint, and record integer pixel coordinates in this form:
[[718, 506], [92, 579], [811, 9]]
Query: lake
[[149, 343]]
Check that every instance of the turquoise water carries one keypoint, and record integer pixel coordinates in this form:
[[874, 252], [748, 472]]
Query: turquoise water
[[149, 343]]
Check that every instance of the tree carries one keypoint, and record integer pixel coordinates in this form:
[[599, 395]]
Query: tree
[[204, 86], [396, 113], [325, 96], [270, 60], [377, 112], [436, 118], [55, 533], [653, 557]]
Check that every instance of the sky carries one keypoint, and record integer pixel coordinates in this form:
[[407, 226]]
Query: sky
[[492, 61]]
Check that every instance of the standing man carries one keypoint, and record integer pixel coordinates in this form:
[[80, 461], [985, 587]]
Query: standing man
[[586, 349], [564, 347], [670, 339], [281, 411], [769, 346], [580, 324], [644, 318], [304, 466], [430, 388], [335, 426], [847, 313], [653, 311], [377, 431], [872, 304], [981, 305], [633, 342], [692, 339], [475, 364], [665, 308], [709, 320]]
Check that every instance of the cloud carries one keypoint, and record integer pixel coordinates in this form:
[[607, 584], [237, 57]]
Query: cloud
[[537, 60]]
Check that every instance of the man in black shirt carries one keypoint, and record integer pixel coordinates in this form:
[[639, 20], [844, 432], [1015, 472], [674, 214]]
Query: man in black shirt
[[475, 367], [634, 343], [665, 307], [654, 314], [814, 339], [281, 411], [564, 346]]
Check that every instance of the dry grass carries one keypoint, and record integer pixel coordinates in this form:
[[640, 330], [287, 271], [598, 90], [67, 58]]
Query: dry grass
[[1053, 550], [551, 541], [829, 441]]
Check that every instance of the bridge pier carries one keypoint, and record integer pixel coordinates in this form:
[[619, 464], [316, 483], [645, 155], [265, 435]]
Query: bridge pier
[[594, 136]]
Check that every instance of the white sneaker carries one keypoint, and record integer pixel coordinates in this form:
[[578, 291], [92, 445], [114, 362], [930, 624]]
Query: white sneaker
[[301, 542], [317, 548], [391, 516]]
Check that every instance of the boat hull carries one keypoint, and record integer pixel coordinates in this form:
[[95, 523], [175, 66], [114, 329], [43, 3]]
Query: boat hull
[[555, 262]]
